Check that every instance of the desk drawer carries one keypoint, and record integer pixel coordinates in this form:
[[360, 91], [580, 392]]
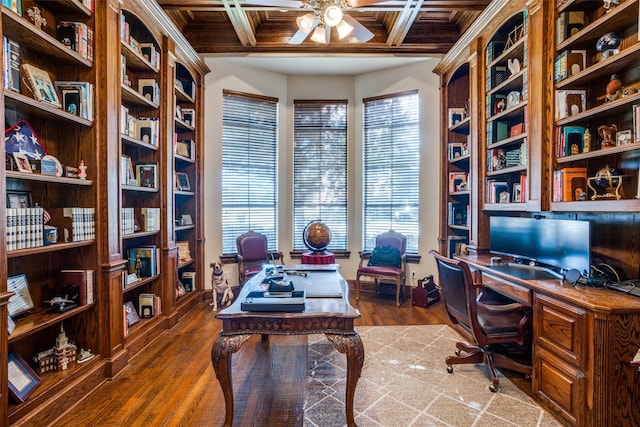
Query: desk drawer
[[561, 328], [560, 387], [512, 290]]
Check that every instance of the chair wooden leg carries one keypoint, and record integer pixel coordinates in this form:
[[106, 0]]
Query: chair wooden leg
[[398, 293], [488, 361], [357, 287]]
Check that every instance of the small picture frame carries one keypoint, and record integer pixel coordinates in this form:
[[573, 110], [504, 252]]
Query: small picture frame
[[184, 149], [184, 253], [19, 199], [185, 219], [182, 182], [456, 115], [623, 137], [22, 162], [22, 379]]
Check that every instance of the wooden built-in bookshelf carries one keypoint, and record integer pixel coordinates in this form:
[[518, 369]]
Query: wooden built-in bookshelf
[[96, 143]]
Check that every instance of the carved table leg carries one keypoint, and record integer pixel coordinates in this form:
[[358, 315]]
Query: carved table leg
[[221, 360], [352, 346]]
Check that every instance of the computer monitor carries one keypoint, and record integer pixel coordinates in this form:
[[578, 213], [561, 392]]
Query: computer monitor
[[559, 243]]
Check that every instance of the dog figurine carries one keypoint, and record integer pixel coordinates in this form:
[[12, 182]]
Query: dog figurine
[[220, 286]]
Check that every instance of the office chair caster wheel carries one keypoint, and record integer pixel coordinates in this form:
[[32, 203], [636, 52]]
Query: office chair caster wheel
[[450, 369], [493, 388], [458, 352]]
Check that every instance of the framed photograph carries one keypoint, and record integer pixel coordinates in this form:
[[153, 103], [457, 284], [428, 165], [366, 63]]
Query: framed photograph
[[147, 174], [22, 379], [182, 181], [623, 137], [185, 219], [184, 253], [184, 149], [455, 116], [22, 162], [18, 199], [20, 302]]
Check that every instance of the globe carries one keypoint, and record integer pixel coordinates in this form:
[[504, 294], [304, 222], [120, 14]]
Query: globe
[[604, 177], [316, 236]]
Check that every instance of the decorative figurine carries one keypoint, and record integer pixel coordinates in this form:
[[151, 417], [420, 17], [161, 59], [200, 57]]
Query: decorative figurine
[[586, 146], [138, 265], [608, 134], [36, 16], [82, 170], [614, 88], [609, 4]]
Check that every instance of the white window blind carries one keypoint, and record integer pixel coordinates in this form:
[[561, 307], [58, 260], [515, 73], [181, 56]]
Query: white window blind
[[391, 167], [320, 169], [249, 168]]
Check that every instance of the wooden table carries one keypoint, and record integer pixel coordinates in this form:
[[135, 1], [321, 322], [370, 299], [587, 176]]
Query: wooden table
[[333, 317]]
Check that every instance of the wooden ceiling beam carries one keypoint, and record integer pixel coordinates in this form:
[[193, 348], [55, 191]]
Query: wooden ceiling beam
[[240, 22]]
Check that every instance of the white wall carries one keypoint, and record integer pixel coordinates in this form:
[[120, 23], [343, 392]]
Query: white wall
[[353, 88]]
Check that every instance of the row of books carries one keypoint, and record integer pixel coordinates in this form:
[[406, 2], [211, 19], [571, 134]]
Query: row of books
[[572, 140], [143, 175], [143, 261], [570, 184], [24, 228], [502, 158], [569, 63], [635, 111], [75, 224], [11, 64], [84, 280], [77, 36], [76, 98], [148, 219], [503, 192], [143, 128]]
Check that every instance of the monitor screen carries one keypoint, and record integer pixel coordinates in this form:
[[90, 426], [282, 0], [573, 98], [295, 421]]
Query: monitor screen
[[559, 243]]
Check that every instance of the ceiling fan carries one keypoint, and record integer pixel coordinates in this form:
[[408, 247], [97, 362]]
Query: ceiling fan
[[322, 17]]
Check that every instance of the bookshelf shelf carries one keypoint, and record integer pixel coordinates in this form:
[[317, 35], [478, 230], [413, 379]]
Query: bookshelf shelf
[[25, 33], [48, 178], [38, 320], [50, 248], [135, 61], [624, 15], [17, 101], [131, 96], [134, 142], [139, 283], [139, 234]]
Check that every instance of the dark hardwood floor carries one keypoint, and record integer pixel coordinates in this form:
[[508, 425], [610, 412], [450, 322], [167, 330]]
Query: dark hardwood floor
[[172, 382]]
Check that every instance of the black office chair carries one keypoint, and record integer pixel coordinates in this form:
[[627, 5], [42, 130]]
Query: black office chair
[[500, 329]]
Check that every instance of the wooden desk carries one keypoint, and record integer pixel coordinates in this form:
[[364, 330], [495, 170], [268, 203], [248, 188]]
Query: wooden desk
[[333, 317], [583, 341]]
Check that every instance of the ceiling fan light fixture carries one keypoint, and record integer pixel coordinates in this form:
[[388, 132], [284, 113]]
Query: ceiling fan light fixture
[[344, 29], [305, 22], [320, 35], [332, 15]]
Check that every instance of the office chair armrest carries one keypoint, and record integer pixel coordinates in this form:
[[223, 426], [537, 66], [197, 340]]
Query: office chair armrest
[[500, 309]]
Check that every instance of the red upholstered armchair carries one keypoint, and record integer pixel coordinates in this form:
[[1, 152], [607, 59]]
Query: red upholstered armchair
[[381, 269], [253, 253]]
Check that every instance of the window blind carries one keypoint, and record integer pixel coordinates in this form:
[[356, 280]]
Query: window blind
[[391, 167], [320, 169], [249, 168]]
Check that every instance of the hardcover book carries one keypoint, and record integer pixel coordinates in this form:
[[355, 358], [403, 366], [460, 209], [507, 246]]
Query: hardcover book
[[83, 279], [40, 84]]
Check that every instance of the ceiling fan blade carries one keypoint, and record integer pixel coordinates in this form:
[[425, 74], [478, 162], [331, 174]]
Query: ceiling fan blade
[[359, 31], [301, 36], [361, 3], [292, 4]]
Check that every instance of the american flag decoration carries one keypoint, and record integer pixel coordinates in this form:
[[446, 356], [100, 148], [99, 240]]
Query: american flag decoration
[[46, 216], [21, 138]]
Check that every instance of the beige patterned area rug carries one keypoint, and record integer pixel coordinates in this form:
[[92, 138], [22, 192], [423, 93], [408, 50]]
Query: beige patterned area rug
[[405, 382]]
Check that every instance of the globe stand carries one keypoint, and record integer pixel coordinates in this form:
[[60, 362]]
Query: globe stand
[[613, 190]]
